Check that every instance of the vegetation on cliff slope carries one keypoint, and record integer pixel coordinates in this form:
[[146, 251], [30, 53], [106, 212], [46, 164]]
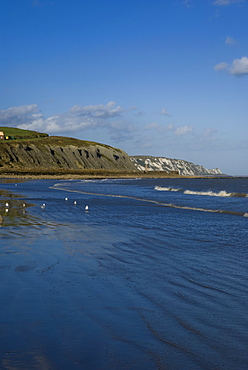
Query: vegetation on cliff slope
[[19, 134], [32, 150]]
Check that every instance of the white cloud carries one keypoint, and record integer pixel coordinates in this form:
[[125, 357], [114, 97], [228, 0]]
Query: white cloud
[[183, 130], [152, 125], [140, 114], [19, 115], [170, 127], [230, 41], [221, 66], [188, 3], [121, 131], [78, 118], [227, 2], [164, 112], [238, 68], [18, 111], [101, 111], [209, 132]]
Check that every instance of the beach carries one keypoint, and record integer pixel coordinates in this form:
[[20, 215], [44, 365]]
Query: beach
[[66, 174], [132, 282]]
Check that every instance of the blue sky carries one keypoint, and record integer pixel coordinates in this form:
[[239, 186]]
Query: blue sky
[[152, 77]]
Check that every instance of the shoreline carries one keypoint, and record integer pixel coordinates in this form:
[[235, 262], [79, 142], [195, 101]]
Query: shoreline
[[113, 279], [98, 174]]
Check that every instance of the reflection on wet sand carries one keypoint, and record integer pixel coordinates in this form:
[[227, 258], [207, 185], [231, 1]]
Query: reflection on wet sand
[[12, 181], [14, 212]]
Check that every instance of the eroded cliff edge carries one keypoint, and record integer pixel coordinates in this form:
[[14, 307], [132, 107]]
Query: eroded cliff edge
[[56, 152], [25, 151]]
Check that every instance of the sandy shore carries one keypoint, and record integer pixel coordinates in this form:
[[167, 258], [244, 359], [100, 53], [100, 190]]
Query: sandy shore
[[126, 285], [64, 304], [92, 174]]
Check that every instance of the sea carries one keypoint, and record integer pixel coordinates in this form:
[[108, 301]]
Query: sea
[[124, 274]]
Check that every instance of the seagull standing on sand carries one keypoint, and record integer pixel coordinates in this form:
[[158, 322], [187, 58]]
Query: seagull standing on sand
[[7, 204]]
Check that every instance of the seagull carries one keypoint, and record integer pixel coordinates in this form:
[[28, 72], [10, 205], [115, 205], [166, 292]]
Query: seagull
[[6, 210], [43, 206], [66, 198], [75, 202], [86, 208], [6, 204], [24, 205]]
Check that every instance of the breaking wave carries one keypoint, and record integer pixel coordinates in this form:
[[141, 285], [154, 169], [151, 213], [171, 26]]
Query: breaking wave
[[161, 204], [221, 193], [209, 193], [161, 188]]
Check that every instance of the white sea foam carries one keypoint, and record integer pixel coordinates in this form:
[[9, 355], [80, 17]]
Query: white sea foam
[[160, 188], [170, 205], [222, 193], [90, 180]]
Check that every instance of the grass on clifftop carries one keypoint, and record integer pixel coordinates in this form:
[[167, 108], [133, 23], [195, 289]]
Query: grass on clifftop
[[63, 141], [18, 133], [43, 138]]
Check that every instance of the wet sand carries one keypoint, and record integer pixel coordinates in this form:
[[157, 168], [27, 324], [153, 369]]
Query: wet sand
[[118, 287], [90, 174], [61, 308]]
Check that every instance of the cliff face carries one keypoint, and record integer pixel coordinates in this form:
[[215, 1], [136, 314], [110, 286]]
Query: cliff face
[[169, 165], [55, 152], [61, 153]]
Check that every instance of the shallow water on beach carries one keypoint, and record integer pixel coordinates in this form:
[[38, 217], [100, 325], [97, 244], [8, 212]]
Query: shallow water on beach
[[152, 276]]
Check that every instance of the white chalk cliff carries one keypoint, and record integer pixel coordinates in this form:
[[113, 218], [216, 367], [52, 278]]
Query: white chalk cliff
[[150, 163]]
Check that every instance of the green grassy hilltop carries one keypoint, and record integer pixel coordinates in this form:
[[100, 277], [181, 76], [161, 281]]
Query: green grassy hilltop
[[19, 134], [25, 150]]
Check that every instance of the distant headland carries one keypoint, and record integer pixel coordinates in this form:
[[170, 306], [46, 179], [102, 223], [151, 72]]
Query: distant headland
[[28, 153]]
